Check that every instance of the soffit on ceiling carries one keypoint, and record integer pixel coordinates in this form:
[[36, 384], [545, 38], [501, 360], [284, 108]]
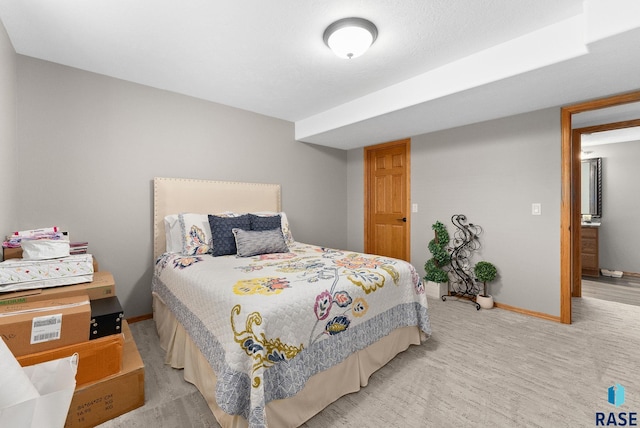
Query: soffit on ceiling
[[269, 57]]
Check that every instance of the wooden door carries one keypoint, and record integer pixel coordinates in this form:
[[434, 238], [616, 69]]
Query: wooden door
[[387, 199]]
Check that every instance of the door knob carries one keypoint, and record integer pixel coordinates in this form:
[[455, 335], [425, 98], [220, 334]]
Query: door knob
[[402, 219]]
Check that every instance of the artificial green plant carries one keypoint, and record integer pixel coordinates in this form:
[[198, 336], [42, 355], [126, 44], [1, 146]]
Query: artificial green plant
[[440, 256], [485, 272]]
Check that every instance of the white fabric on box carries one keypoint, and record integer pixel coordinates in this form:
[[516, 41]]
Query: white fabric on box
[[16, 384], [44, 249], [38, 395]]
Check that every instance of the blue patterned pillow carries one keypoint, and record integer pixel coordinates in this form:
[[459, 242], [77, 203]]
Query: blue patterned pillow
[[254, 242], [286, 231], [224, 242], [265, 223]]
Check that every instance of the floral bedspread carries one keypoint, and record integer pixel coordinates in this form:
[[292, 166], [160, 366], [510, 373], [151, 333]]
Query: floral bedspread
[[267, 323]]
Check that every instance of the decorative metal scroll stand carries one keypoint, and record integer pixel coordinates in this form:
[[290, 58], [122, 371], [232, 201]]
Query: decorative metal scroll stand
[[465, 241]]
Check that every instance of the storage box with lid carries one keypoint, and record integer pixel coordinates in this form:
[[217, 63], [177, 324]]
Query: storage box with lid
[[106, 317]]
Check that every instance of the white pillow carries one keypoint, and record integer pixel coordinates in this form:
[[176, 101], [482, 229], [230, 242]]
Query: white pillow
[[172, 234]]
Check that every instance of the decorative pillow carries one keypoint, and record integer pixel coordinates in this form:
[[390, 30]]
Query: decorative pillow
[[253, 242], [265, 223], [196, 234], [224, 242], [286, 232]]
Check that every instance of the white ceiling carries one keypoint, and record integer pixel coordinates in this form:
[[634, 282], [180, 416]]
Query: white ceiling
[[624, 135], [436, 63]]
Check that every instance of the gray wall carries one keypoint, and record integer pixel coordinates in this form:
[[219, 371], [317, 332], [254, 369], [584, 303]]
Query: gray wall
[[620, 233], [90, 145], [355, 201], [8, 139], [492, 172]]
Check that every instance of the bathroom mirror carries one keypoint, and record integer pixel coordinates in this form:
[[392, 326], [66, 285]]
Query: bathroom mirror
[[591, 183]]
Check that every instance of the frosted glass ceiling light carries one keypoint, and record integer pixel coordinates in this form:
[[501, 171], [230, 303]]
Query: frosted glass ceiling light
[[350, 37]]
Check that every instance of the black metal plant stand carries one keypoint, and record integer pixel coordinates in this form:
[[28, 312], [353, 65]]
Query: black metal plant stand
[[465, 241]]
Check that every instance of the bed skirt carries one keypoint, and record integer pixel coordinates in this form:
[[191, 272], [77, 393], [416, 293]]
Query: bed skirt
[[320, 390]]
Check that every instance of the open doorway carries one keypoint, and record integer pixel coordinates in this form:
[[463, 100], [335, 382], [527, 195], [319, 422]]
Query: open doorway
[[609, 229], [570, 222]]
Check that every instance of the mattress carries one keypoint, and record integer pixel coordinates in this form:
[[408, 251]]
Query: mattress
[[19, 274], [267, 324]]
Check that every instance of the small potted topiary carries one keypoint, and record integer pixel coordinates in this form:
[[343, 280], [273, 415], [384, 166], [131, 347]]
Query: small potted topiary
[[485, 272], [435, 266]]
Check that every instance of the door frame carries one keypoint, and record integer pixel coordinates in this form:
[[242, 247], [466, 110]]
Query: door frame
[[570, 275], [368, 186]]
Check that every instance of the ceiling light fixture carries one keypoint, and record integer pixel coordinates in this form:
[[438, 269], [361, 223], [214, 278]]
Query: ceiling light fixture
[[350, 37]]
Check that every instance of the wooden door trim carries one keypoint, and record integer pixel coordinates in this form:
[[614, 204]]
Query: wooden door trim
[[576, 211], [608, 126], [566, 209], [367, 191], [569, 221]]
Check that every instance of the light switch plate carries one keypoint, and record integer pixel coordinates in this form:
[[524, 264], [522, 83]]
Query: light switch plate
[[536, 209]]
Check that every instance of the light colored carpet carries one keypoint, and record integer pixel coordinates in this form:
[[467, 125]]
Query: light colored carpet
[[488, 368], [623, 290]]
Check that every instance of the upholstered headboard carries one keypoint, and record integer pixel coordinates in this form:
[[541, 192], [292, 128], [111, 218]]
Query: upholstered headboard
[[182, 195]]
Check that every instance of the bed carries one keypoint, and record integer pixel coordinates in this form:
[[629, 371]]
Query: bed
[[271, 338]]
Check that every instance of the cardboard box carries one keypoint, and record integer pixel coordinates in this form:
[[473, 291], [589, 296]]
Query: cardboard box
[[100, 401], [103, 285], [39, 326], [11, 253], [16, 253], [97, 359], [106, 317]]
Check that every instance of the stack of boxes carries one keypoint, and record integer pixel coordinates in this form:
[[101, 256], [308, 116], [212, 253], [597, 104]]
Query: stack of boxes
[[87, 319]]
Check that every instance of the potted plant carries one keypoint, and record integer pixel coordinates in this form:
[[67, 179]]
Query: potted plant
[[485, 272], [440, 256]]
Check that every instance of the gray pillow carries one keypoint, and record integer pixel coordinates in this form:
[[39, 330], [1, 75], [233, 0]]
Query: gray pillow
[[253, 242]]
